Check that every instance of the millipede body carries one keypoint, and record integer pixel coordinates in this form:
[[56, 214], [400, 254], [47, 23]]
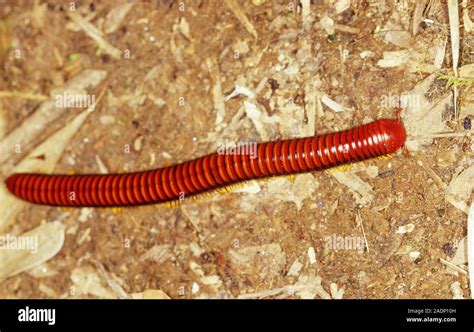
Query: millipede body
[[213, 171]]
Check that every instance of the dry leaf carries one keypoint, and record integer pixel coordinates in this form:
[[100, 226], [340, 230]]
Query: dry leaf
[[238, 12], [116, 16], [86, 281], [48, 239], [394, 59], [52, 148], [35, 124], [267, 260], [460, 188], [423, 113], [362, 191]]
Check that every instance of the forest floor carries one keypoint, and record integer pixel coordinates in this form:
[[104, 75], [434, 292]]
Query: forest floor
[[172, 80]]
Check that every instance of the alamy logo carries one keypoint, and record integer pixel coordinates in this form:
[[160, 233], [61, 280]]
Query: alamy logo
[[27, 243], [238, 148], [401, 101], [37, 315], [335, 242], [70, 100]]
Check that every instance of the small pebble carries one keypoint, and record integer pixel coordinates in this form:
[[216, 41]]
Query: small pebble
[[71, 160], [195, 288], [137, 144], [166, 155], [405, 229], [414, 255], [366, 54], [85, 214], [467, 123], [107, 119], [311, 255]]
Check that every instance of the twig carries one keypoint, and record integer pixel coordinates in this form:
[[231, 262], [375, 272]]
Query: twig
[[33, 126], [441, 135], [235, 8], [454, 30], [433, 175], [95, 34], [288, 290], [360, 223], [451, 265], [346, 28], [418, 15], [121, 293], [217, 97], [22, 95], [453, 13]]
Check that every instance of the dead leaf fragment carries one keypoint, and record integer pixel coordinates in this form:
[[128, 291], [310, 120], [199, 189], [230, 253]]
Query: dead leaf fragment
[[47, 239]]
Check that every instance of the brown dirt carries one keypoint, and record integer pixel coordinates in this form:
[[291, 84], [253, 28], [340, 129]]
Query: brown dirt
[[223, 222]]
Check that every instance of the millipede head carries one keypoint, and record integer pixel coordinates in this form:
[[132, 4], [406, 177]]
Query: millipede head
[[394, 134]]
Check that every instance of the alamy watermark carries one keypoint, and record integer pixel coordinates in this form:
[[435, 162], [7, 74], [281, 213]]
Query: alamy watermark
[[339, 242], [401, 101], [28, 314], [72, 100], [26, 243], [237, 148]]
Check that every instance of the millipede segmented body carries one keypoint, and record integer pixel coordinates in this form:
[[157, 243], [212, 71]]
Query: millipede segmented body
[[213, 171]]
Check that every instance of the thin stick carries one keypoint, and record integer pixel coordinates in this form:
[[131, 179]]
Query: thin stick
[[238, 12], [360, 223], [433, 175], [23, 95], [451, 265], [95, 34], [453, 13], [441, 135]]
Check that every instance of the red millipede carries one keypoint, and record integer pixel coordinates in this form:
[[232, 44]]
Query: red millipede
[[210, 172]]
